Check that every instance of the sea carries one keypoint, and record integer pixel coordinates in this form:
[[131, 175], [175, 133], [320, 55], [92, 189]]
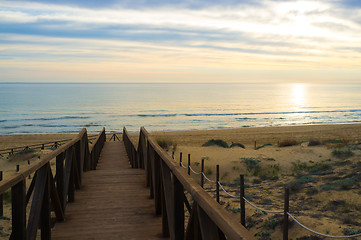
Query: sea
[[27, 108]]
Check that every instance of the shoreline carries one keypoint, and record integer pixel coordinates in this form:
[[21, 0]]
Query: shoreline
[[31, 138], [188, 130]]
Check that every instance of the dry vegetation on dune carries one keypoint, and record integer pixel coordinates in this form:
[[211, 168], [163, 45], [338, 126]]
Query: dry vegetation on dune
[[321, 167]]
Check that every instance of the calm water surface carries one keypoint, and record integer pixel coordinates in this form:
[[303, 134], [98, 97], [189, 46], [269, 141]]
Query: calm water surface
[[58, 108]]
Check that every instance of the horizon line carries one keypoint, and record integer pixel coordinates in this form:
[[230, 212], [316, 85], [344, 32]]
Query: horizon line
[[263, 82]]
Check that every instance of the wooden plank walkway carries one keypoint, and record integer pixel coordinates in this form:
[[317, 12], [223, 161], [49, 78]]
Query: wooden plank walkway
[[113, 202]]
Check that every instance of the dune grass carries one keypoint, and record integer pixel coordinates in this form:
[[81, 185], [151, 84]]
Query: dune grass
[[217, 142], [287, 143]]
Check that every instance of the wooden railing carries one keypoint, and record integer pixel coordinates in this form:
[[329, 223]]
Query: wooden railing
[[50, 193], [167, 182], [131, 150], [39, 146]]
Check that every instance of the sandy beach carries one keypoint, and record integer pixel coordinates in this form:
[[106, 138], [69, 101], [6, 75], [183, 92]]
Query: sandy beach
[[325, 186], [323, 179]]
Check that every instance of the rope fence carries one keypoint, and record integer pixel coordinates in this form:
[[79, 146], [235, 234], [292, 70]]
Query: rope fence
[[210, 180], [195, 172], [318, 233], [183, 165], [261, 209], [244, 200], [234, 196]]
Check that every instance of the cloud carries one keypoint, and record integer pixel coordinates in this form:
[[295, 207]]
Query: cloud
[[16, 17], [187, 36], [299, 18]]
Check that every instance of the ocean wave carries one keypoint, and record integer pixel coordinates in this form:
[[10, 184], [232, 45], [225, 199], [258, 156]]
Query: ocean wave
[[56, 118], [93, 125], [156, 115], [246, 119], [241, 113], [10, 127], [60, 125], [51, 125], [1, 121], [270, 113]]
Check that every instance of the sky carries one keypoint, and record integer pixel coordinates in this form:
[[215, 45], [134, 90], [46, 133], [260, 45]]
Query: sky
[[180, 41]]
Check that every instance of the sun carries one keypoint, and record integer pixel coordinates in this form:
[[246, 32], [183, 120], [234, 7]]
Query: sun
[[298, 92]]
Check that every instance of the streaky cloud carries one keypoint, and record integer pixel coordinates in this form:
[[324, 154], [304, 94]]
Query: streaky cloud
[[185, 36]]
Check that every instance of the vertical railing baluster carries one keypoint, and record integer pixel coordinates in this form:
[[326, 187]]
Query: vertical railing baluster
[[150, 170], [217, 184], [45, 211], [1, 197], [158, 184], [71, 189], [60, 178], [189, 164], [242, 201], [178, 205], [163, 205], [78, 156], [202, 172], [285, 213], [18, 195]]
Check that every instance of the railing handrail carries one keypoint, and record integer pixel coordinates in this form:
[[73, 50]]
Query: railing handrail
[[96, 139], [125, 132], [221, 218], [21, 175]]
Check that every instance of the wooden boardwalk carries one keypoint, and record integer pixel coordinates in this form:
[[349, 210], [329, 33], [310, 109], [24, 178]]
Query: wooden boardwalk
[[113, 202]]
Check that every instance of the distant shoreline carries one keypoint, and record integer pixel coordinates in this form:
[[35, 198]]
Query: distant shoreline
[[193, 130]]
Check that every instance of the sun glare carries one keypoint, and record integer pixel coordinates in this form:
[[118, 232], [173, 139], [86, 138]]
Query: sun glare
[[298, 92]]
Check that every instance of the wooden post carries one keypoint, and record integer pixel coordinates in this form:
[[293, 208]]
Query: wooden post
[[285, 215], [202, 172], [45, 210], [17, 168], [242, 202], [255, 145], [178, 209], [71, 188], [180, 159], [163, 208], [18, 210], [60, 179], [78, 157], [1, 197], [150, 169], [29, 166], [157, 184], [217, 183], [189, 164]]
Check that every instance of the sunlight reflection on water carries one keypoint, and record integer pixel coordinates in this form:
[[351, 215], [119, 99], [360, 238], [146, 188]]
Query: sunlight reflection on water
[[47, 108]]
